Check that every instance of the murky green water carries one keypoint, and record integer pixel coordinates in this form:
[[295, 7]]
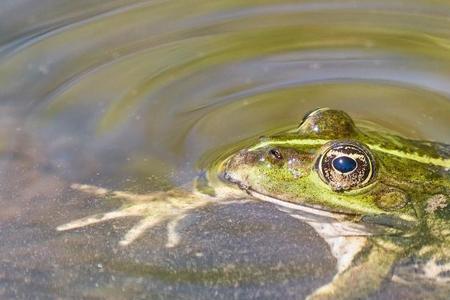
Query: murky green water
[[133, 94]]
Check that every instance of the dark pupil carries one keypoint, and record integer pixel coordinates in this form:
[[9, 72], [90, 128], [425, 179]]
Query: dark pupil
[[344, 164]]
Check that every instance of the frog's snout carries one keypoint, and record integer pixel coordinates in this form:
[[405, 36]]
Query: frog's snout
[[237, 164]]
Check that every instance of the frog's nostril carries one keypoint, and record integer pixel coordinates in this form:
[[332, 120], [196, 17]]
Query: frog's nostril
[[344, 164], [276, 154]]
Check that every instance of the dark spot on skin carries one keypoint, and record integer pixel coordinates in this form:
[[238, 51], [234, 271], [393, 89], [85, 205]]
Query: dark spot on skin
[[389, 221], [295, 161], [444, 274], [440, 262]]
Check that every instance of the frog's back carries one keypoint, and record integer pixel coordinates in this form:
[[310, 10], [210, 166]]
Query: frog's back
[[413, 165]]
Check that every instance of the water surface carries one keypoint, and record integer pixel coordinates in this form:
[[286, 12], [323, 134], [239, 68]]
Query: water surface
[[133, 94]]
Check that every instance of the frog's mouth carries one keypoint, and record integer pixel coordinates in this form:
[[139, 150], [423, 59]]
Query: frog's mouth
[[258, 195], [361, 224]]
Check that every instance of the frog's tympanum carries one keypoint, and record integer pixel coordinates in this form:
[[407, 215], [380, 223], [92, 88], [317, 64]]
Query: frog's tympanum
[[376, 198]]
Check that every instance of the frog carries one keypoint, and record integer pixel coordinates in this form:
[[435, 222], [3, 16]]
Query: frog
[[376, 197]]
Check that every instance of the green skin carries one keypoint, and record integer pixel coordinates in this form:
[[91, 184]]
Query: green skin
[[405, 204], [400, 211]]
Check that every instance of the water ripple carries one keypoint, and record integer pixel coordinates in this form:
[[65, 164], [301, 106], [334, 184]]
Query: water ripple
[[161, 79]]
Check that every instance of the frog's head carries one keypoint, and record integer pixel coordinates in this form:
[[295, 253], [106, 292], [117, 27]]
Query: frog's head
[[324, 164]]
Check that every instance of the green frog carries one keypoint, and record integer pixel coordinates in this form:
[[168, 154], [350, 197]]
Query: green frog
[[375, 197]]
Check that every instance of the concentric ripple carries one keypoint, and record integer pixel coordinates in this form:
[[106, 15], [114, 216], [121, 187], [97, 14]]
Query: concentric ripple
[[137, 94], [163, 82]]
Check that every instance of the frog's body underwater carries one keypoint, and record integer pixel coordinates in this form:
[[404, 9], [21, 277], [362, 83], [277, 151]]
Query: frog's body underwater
[[376, 198]]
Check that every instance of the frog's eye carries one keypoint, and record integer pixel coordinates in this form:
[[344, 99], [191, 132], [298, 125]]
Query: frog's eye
[[345, 165]]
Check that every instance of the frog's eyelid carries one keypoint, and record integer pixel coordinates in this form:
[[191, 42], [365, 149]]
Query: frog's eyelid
[[312, 112]]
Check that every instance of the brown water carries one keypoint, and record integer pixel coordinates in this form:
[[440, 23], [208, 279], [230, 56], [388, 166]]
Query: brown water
[[131, 95]]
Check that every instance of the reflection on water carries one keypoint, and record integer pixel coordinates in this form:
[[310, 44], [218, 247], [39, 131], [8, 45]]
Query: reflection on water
[[132, 94]]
